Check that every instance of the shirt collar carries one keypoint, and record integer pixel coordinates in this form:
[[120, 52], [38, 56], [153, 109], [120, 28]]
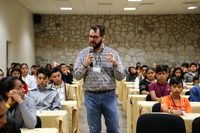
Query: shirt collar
[[101, 50], [61, 85]]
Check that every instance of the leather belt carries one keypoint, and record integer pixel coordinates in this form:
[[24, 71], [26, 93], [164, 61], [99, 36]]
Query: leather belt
[[99, 92]]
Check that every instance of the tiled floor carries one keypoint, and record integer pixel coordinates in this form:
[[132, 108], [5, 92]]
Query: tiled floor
[[82, 117]]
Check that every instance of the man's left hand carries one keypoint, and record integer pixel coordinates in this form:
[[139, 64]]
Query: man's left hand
[[111, 59]]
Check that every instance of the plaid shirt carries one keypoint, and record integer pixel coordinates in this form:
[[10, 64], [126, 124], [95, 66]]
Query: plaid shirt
[[97, 81]]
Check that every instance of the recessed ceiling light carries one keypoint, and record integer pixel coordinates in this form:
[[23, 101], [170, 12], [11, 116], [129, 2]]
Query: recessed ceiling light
[[134, 0], [65, 8], [192, 7], [129, 8]]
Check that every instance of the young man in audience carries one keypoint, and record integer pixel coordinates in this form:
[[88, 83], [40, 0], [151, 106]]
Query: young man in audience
[[17, 65], [141, 76], [193, 72], [174, 103], [12, 65], [195, 92], [195, 80], [71, 68], [138, 64], [161, 88], [65, 91], [35, 72], [44, 97], [185, 67]]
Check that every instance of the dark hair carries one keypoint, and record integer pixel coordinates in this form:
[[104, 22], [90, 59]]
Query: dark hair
[[54, 70], [195, 78], [185, 64], [193, 64], [175, 80], [8, 71], [170, 76], [37, 65], [166, 66], [143, 66], [16, 64], [60, 67], [23, 64], [1, 99], [160, 68], [129, 69], [7, 84], [100, 27], [18, 70], [44, 71], [71, 64], [49, 65], [178, 68], [137, 67], [33, 66], [2, 71], [149, 68], [13, 63], [138, 63]]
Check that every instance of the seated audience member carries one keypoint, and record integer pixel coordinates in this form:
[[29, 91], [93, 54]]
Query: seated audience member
[[195, 80], [155, 65], [71, 68], [149, 78], [1, 74], [132, 75], [66, 76], [35, 72], [193, 72], [17, 65], [20, 107], [161, 88], [179, 73], [7, 125], [65, 91], [138, 69], [49, 67], [174, 103], [17, 73], [30, 80], [12, 65], [141, 76], [195, 92], [32, 70], [171, 73], [44, 97], [185, 67], [138, 64], [9, 71]]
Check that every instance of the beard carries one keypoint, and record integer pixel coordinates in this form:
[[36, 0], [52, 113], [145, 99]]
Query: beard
[[97, 45]]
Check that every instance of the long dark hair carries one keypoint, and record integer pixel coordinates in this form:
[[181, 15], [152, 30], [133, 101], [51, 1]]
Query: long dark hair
[[8, 71], [18, 70], [182, 74], [7, 84]]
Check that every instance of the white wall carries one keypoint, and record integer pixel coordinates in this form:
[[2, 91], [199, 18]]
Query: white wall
[[16, 25]]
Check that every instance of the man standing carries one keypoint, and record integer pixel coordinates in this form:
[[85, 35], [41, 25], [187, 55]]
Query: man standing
[[100, 81]]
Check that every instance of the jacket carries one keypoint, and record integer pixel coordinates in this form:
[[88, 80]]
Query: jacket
[[45, 98], [195, 93], [25, 113], [189, 77], [68, 91]]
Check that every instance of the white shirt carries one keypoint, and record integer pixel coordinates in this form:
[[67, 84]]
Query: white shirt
[[60, 91], [136, 86], [30, 81]]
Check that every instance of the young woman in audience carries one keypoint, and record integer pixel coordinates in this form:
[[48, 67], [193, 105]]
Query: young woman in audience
[[30, 80], [138, 69], [178, 72], [9, 71], [7, 125], [48, 66], [17, 73], [20, 107], [66, 76], [155, 65], [149, 78], [132, 75], [1, 74], [171, 72]]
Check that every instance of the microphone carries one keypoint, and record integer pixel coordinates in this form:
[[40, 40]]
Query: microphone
[[91, 51]]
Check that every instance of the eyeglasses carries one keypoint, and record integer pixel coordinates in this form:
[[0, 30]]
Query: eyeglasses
[[94, 37]]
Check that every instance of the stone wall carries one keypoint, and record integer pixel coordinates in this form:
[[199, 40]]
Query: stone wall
[[165, 39]]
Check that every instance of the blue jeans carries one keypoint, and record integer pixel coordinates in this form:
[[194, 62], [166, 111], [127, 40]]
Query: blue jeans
[[106, 104]]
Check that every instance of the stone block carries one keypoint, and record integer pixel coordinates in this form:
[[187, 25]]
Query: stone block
[[127, 58], [48, 42], [192, 35], [121, 49], [130, 36], [149, 48], [190, 48]]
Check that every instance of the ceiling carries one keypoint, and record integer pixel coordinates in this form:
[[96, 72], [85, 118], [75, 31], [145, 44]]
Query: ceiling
[[111, 7]]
